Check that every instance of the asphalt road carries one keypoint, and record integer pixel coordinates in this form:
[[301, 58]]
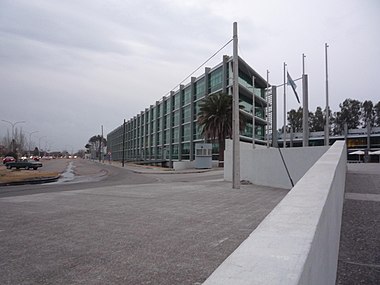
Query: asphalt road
[[88, 173], [125, 228]]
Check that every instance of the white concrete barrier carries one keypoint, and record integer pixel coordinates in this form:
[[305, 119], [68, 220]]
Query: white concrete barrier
[[181, 165], [298, 242], [185, 164], [272, 167]]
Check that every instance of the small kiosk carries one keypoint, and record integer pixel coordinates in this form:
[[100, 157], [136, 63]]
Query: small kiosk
[[203, 155]]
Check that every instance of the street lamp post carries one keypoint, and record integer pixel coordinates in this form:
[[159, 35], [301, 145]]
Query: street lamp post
[[39, 145], [13, 131], [30, 140]]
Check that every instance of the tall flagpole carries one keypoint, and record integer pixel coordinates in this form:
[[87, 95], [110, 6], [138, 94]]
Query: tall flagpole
[[305, 105], [327, 127], [284, 132], [235, 113], [303, 63]]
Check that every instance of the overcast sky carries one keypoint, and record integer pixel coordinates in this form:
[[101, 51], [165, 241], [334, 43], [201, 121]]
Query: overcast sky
[[68, 67]]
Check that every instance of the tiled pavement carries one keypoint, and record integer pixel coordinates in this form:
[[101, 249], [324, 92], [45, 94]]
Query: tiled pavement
[[359, 255]]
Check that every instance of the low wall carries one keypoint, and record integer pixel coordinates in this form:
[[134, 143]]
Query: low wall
[[298, 242], [270, 166], [186, 164], [181, 165]]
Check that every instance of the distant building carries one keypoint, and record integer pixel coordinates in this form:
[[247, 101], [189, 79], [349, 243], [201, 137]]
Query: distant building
[[168, 131], [365, 139]]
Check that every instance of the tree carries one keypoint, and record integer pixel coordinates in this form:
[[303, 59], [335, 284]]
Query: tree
[[349, 114], [377, 114], [295, 119], [367, 113], [81, 153], [88, 148], [215, 118], [337, 124], [97, 142], [36, 151], [317, 123]]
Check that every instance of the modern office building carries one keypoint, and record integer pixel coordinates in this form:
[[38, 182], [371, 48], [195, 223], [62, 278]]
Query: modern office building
[[167, 131]]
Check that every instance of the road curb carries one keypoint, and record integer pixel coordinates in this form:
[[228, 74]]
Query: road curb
[[135, 169], [168, 172], [32, 181]]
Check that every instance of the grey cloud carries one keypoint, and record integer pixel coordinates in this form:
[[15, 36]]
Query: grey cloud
[[91, 62]]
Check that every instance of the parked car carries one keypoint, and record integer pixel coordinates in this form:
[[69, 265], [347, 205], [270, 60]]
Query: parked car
[[27, 164], [8, 159]]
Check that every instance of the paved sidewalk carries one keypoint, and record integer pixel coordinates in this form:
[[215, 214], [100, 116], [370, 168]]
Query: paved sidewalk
[[359, 254], [166, 233]]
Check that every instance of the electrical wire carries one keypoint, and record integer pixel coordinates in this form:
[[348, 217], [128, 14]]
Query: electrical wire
[[199, 67]]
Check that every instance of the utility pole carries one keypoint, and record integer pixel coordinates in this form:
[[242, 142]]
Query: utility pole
[[39, 145], [235, 113], [30, 140]]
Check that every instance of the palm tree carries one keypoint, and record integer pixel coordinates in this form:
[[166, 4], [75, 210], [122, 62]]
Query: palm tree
[[215, 118]]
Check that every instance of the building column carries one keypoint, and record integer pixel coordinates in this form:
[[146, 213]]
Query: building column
[[171, 98], [207, 71], [141, 129], [163, 129], [155, 136], [225, 74], [150, 131], [137, 134], [192, 125], [180, 132]]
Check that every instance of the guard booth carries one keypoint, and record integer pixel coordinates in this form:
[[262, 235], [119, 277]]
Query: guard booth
[[203, 155]]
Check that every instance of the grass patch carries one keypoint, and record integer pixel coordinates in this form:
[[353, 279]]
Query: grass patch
[[8, 176]]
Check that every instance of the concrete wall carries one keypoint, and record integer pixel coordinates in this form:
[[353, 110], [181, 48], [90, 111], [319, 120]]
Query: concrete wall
[[186, 164], [264, 166], [181, 165], [298, 242]]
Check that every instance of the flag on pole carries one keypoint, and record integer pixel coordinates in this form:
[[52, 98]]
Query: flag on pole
[[294, 86]]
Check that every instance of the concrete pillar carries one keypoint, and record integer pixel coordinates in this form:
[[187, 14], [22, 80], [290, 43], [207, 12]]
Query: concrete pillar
[[291, 137], [253, 112], [274, 117], [235, 114], [305, 107]]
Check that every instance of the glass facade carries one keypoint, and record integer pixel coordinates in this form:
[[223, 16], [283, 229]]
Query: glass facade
[[169, 131]]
